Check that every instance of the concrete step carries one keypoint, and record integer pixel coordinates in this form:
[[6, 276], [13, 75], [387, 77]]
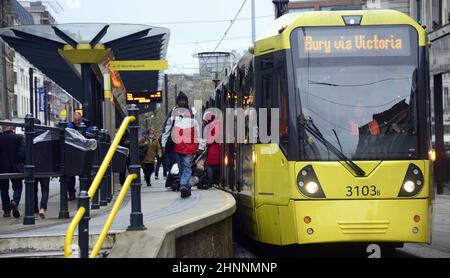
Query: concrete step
[[45, 246]]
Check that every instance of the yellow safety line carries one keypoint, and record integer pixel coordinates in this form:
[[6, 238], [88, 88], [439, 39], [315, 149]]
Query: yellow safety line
[[109, 155], [112, 216], [70, 231], [95, 184]]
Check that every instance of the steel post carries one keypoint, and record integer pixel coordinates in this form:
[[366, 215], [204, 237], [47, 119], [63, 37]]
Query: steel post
[[109, 190], [31, 76], [83, 228], [103, 197], [136, 217], [95, 168], [29, 171], [63, 203]]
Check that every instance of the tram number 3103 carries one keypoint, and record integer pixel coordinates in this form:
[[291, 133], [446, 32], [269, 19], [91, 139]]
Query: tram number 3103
[[363, 191]]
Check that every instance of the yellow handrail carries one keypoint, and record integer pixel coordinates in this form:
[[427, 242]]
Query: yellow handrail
[[71, 231], [95, 184], [113, 214], [109, 156]]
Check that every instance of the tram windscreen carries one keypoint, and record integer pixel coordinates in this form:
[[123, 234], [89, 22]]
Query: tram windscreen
[[358, 86]]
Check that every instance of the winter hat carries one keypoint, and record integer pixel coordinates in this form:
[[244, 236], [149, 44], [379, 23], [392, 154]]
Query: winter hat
[[182, 96]]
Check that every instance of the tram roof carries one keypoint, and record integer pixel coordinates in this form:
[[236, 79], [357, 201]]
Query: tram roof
[[284, 25], [40, 45]]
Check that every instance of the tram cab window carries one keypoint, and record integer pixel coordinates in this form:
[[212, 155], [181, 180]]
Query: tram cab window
[[281, 94]]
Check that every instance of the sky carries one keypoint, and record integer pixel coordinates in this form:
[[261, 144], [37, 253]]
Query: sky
[[186, 38]]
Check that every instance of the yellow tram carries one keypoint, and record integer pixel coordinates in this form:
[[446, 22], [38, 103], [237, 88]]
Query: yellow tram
[[352, 163]]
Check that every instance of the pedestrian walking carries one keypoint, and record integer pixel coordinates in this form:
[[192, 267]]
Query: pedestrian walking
[[45, 190], [12, 153], [160, 162], [153, 150], [184, 131], [213, 158]]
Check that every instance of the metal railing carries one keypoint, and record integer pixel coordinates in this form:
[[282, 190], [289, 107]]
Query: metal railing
[[29, 173], [82, 217], [113, 214], [83, 207]]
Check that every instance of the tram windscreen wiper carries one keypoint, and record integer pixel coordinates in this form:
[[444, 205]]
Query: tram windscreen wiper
[[309, 126]]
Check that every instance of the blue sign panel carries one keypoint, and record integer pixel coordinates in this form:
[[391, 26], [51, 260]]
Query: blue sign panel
[[42, 99]]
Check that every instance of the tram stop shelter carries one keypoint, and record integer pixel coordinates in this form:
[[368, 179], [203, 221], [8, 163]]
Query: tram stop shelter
[[77, 57]]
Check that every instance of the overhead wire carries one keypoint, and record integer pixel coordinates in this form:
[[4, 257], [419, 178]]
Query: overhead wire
[[231, 25], [207, 21]]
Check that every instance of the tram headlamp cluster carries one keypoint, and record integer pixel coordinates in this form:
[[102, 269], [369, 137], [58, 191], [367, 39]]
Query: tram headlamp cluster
[[413, 182], [308, 183]]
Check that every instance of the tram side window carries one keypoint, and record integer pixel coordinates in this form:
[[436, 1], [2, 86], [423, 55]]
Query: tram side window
[[267, 89], [268, 99]]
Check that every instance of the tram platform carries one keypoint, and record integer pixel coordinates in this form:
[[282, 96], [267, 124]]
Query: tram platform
[[440, 247], [175, 227]]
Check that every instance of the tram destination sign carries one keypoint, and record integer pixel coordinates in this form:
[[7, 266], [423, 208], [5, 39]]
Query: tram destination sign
[[355, 41]]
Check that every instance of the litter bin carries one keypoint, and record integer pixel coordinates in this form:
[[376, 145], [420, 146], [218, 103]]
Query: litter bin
[[78, 154], [119, 161], [46, 153]]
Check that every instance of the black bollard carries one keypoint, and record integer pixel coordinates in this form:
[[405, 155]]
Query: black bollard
[[103, 150], [63, 203], [95, 168], [83, 176], [29, 171], [136, 217], [83, 227], [83, 201]]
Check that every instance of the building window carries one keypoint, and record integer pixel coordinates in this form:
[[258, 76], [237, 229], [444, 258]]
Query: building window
[[446, 101], [419, 11], [436, 14], [15, 78], [15, 107]]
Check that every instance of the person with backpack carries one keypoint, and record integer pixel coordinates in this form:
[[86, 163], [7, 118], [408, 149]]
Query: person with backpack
[[181, 138], [152, 149]]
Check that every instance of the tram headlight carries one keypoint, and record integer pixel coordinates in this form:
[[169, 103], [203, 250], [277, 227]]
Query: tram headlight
[[312, 187], [308, 183], [413, 182], [409, 186]]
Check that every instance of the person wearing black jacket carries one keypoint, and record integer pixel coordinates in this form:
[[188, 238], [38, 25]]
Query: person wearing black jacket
[[12, 158], [45, 189]]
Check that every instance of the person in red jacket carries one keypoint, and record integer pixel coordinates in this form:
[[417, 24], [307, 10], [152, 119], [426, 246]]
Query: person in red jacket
[[213, 158], [182, 127]]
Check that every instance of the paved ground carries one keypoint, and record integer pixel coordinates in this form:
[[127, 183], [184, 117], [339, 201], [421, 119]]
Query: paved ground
[[157, 203], [440, 248]]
